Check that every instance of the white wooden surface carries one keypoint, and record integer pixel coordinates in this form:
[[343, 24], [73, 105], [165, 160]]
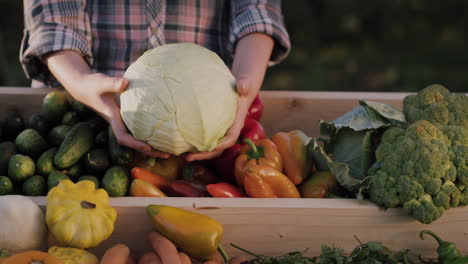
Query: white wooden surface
[[277, 226]]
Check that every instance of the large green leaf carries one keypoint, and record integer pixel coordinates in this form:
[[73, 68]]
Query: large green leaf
[[360, 118], [391, 114]]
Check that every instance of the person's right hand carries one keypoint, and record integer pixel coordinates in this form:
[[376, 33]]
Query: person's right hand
[[103, 99], [99, 92]]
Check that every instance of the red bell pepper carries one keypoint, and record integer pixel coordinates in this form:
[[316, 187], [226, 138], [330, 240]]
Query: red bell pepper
[[256, 109], [253, 130], [224, 190], [224, 164]]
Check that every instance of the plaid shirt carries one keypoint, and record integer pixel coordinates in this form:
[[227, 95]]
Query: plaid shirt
[[111, 35]]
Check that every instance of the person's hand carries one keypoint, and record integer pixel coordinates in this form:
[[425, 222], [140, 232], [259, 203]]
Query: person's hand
[[97, 91], [250, 62], [164, 252]]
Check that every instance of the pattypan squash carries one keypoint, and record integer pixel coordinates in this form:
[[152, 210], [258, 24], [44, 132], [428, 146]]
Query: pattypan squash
[[78, 215], [73, 255]]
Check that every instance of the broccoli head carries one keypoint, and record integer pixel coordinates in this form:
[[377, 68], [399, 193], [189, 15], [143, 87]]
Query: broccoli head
[[413, 170], [437, 105]]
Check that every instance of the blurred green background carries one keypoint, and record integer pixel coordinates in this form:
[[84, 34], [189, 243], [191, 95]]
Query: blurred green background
[[338, 45]]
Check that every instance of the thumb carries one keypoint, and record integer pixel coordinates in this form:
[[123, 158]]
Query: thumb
[[115, 85]]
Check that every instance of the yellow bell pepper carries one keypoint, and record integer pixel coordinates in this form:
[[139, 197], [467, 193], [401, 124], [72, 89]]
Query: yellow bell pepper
[[73, 255], [170, 168], [78, 215]]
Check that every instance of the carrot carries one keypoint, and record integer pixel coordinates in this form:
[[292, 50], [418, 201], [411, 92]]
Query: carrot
[[184, 259], [148, 176], [164, 248], [150, 258], [117, 254]]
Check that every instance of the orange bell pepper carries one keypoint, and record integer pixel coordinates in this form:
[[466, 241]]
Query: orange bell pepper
[[263, 152], [140, 188], [292, 148], [261, 181]]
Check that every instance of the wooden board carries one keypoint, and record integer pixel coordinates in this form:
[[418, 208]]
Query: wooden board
[[277, 226]]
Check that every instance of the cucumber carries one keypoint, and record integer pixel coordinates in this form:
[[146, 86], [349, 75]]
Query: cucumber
[[116, 181], [119, 155], [35, 186], [39, 123], [70, 119], [7, 150], [20, 168], [90, 178], [6, 186], [74, 172], [97, 123], [45, 163], [76, 144], [30, 143], [58, 134], [54, 106], [96, 161], [55, 178], [101, 138], [14, 124], [81, 109]]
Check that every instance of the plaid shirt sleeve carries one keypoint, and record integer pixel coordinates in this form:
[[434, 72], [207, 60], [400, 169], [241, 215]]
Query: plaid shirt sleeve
[[262, 16], [53, 25]]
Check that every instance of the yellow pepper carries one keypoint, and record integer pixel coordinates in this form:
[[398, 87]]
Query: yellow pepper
[[78, 215], [73, 255], [196, 234]]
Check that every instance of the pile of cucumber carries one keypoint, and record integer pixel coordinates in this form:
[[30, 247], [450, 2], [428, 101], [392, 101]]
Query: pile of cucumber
[[66, 140]]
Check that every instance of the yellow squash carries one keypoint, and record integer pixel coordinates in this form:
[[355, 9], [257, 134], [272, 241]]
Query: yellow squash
[[73, 255], [78, 215]]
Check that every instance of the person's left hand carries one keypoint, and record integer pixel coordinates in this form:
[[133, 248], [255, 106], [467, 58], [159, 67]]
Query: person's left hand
[[250, 62], [164, 252]]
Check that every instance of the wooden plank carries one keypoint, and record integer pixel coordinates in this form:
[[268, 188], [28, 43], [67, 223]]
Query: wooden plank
[[284, 110], [278, 226]]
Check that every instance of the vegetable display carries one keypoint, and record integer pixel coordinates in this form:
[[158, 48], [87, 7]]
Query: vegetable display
[[177, 104]]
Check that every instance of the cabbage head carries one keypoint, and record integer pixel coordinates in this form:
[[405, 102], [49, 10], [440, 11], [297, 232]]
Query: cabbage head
[[180, 98]]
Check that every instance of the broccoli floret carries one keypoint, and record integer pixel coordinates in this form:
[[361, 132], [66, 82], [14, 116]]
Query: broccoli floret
[[414, 168], [437, 105], [423, 209]]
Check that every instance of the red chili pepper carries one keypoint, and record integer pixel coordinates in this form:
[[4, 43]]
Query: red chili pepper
[[252, 129], [224, 190], [256, 109], [224, 164], [182, 188]]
